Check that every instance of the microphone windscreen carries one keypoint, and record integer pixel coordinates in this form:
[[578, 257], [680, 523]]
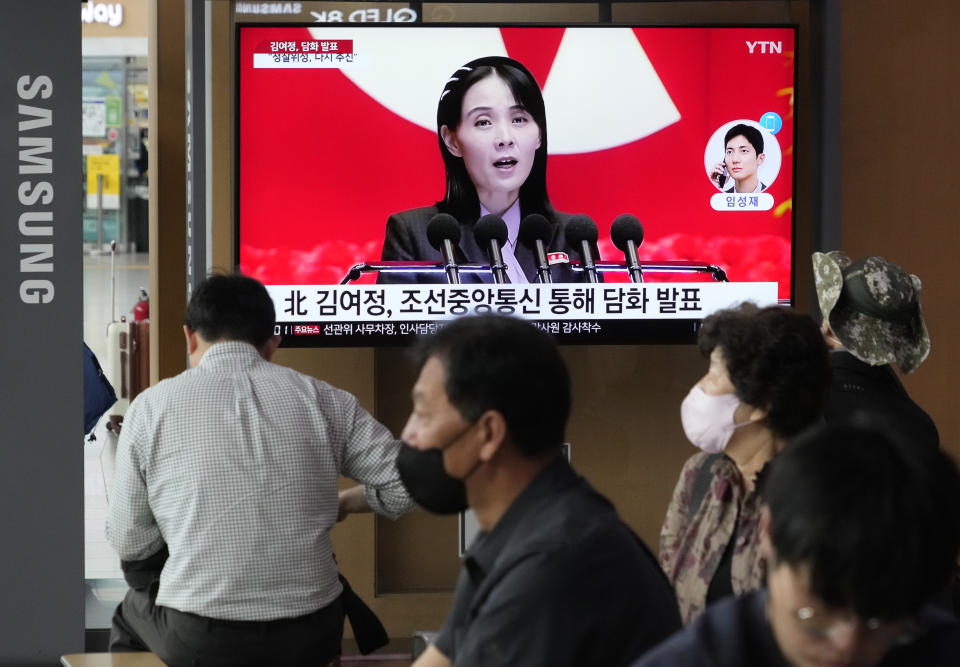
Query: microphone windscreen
[[534, 228], [442, 227], [581, 228], [490, 227], [626, 228]]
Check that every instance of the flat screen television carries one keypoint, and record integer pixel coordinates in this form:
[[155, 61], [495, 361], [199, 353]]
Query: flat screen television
[[688, 129]]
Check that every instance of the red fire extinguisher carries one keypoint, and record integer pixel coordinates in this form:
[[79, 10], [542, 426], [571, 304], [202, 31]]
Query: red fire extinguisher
[[141, 310]]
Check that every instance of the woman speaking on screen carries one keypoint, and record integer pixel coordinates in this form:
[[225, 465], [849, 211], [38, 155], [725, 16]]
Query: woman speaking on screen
[[492, 131]]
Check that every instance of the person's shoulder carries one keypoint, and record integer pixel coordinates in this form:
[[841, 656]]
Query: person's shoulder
[[171, 396], [577, 544], [846, 366], [730, 633], [415, 215], [682, 649], [294, 378], [842, 358], [578, 519], [555, 510], [610, 556], [165, 389], [852, 378], [699, 461], [694, 480]]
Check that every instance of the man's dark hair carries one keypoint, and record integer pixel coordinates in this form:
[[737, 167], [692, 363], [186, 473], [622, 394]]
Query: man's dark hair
[[494, 362], [461, 199], [875, 519], [749, 132], [231, 307], [776, 359]]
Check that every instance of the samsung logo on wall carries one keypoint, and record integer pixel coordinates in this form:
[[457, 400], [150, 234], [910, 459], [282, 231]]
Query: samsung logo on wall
[[35, 196], [268, 8], [110, 13]]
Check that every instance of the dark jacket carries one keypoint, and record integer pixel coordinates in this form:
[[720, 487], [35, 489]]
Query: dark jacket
[[860, 387], [735, 632], [406, 240], [559, 580]]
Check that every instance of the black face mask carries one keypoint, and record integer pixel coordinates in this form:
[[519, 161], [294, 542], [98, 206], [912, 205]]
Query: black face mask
[[429, 484]]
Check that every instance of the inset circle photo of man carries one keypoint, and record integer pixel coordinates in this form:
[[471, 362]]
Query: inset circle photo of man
[[749, 158]]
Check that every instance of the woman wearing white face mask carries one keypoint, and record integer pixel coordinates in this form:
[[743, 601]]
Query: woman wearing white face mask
[[766, 382]]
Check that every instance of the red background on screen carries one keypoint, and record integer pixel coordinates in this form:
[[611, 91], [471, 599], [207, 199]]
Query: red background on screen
[[322, 164]]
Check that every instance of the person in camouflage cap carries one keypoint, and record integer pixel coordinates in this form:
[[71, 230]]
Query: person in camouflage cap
[[871, 319], [872, 308]]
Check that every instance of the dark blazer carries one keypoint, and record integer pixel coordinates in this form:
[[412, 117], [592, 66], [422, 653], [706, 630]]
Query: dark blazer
[[763, 186], [857, 386], [406, 240]]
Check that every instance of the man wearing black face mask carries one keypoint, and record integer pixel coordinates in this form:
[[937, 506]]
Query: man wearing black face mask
[[555, 577]]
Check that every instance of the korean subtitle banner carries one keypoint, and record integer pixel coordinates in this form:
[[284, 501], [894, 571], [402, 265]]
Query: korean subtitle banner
[[419, 303]]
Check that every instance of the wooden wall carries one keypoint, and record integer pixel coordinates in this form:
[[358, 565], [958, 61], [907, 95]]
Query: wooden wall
[[900, 137]]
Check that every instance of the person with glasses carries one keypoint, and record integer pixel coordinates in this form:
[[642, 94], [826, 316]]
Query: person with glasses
[[859, 530]]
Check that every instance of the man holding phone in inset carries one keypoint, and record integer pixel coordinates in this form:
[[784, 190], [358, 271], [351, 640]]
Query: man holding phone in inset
[[743, 155]]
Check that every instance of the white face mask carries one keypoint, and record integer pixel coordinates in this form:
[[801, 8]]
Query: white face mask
[[708, 419]]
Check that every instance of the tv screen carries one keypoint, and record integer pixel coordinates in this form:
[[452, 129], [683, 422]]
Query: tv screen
[[683, 135]]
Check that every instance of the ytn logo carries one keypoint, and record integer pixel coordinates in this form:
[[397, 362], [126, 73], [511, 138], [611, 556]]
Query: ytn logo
[[765, 47]]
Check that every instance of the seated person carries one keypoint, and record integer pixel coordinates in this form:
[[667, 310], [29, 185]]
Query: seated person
[[742, 157], [859, 530], [492, 131], [766, 381], [555, 577], [225, 491], [871, 319]]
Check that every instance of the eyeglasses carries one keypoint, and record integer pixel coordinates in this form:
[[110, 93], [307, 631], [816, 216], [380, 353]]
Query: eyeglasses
[[901, 631]]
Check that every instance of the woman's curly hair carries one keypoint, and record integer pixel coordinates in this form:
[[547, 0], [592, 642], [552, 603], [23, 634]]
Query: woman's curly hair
[[776, 359]]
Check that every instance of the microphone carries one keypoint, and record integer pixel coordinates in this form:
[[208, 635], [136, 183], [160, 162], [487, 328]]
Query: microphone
[[626, 232], [443, 232], [581, 233], [535, 230], [491, 233]]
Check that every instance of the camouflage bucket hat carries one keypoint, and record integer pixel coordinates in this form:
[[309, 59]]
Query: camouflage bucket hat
[[873, 307]]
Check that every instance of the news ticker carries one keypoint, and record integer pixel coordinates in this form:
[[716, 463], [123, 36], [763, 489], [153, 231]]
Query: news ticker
[[579, 310]]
